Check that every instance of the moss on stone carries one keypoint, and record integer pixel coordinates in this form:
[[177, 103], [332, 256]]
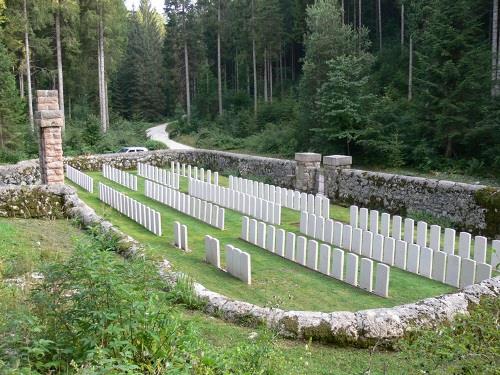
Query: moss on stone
[[489, 199]]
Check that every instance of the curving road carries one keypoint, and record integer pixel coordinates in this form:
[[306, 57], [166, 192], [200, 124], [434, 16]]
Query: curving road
[[159, 133]]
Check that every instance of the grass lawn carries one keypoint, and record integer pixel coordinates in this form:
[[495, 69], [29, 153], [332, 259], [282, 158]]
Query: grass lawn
[[276, 282], [26, 245]]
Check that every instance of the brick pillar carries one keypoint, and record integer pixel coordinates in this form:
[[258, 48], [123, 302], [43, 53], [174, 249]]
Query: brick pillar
[[50, 120], [307, 171], [332, 165]]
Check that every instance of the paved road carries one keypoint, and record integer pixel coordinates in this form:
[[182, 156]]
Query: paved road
[[159, 133]]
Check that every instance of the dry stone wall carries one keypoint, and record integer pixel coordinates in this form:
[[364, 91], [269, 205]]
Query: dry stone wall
[[474, 208], [23, 173]]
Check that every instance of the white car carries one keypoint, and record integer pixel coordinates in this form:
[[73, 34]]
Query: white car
[[133, 149]]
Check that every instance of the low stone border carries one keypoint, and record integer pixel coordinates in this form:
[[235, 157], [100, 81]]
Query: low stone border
[[362, 328]]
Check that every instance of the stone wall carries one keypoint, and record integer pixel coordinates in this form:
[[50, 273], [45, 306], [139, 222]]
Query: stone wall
[[38, 201], [276, 171], [474, 208], [23, 173]]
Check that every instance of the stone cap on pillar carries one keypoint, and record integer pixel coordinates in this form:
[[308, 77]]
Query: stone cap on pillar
[[307, 157], [53, 118], [47, 93], [337, 160]]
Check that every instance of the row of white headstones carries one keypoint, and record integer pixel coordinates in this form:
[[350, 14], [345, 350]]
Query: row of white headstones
[[238, 263], [120, 177], [293, 199], [159, 175], [138, 212], [249, 205], [434, 264], [80, 178], [207, 212], [186, 170], [321, 258]]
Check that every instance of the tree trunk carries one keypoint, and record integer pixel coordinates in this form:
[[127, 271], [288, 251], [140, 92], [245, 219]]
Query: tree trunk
[[237, 73], [281, 71], [494, 51], [102, 76], [271, 80], [355, 12], [359, 18], [28, 68], [60, 85], [188, 94], [21, 82], [219, 78], [254, 58], [265, 76], [379, 25], [402, 25], [410, 71], [343, 11], [248, 80]]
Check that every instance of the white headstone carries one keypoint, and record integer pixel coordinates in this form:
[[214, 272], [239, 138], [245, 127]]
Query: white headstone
[[449, 241], [324, 259], [385, 224], [357, 240], [467, 273], [184, 238], [325, 207], [346, 237], [435, 237], [312, 254], [320, 228], [422, 234], [300, 251], [382, 280], [363, 218], [400, 254], [378, 247], [270, 236], [311, 225], [480, 245], [425, 267], [261, 234], [389, 250], [353, 216], [351, 276], [366, 244], [413, 262], [246, 268], [337, 268], [483, 272], [328, 236], [280, 242], [252, 231], [304, 219], [453, 270], [366, 274], [177, 234], [464, 245], [409, 230], [374, 221], [396, 227], [495, 255], [290, 246], [438, 265]]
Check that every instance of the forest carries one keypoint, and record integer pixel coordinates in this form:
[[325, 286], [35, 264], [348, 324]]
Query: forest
[[395, 83]]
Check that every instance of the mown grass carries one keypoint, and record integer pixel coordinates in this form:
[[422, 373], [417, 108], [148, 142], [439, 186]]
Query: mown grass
[[275, 281]]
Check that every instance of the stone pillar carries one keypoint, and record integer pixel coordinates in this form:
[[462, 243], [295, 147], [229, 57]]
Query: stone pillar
[[307, 171], [332, 165], [50, 120]]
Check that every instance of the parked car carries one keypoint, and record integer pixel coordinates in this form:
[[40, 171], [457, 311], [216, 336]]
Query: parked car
[[132, 149]]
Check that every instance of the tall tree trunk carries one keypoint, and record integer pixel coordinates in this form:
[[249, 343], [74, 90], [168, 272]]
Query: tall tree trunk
[[60, 85], [21, 82], [355, 12], [254, 58], [379, 6], [403, 24], [265, 75], [102, 76], [410, 71], [237, 73], [248, 80], [188, 94], [28, 67], [494, 51], [271, 79], [219, 78], [281, 71], [343, 11], [360, 24]]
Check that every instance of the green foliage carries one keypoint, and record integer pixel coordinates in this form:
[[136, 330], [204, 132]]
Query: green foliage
[[98, 313], [467, 346]]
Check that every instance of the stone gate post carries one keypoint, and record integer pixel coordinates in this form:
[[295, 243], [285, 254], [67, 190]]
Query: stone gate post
[[50, 120], [332, 164], [307, 171]]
